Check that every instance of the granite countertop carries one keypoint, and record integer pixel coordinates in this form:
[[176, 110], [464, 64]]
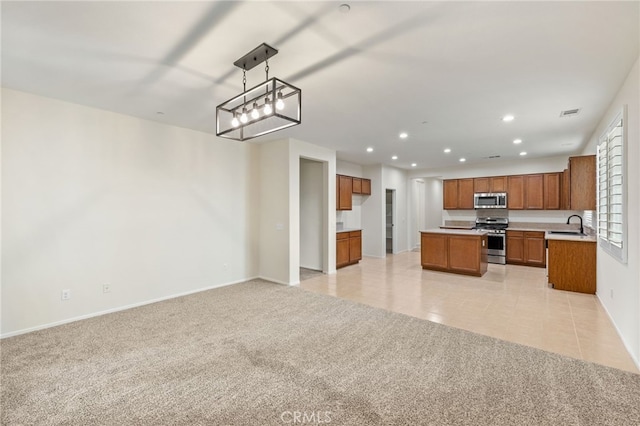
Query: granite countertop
[[347, 230], [455, 227], [456, 231]]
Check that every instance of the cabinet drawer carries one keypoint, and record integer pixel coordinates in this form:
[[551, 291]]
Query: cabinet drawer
[[355, 234], [515, 234], [533, 234], [342, 235]]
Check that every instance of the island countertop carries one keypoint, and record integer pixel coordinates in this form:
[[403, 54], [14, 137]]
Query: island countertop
[[469, 232]]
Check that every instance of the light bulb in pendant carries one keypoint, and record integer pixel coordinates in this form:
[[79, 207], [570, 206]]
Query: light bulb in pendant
[[267, 107], [235, 122], [279, 102], [243, 117], [254, 112]]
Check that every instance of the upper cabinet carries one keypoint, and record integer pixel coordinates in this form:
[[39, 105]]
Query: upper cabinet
[[346, 186], [582, 177], [465, 194], [515, 192], [490, 184], [361, 186], [552, 191], [344, 190], [573, 189], [525, 192], [534, 192], [457, 194]]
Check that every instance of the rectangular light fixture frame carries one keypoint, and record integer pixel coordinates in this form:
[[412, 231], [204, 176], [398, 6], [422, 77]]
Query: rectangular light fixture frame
[[273, 89]]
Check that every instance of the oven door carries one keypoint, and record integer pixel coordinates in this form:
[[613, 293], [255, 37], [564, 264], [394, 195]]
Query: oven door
[[497, 248]]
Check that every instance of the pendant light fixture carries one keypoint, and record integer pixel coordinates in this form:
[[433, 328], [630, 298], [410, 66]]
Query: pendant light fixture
[[253, 113]]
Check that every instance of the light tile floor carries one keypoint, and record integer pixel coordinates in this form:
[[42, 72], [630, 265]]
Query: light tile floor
[[509, 302]]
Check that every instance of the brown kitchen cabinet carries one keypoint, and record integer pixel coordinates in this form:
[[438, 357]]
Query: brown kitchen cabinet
[[526, 248], [344, 191], [434, 252], [457, 253], [534, 192], [535, 253], [356, 185], [565, 199], [490, 184], [572, 265], [458, 194], [346, 186], [348, 248], [366, 186], [582, 186], [515, 192], [578, 190], [450, 194], [465, 194], [572, 189], [525, 192], [552, 191], [515, 247]]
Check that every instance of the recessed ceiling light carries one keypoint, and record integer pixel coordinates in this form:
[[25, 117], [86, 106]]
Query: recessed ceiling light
[[369, 149], [395, 157], [413, 164], [447, 150], [344, 8], [462, 160], [403, 135], [508, 117], [517, 141], [523, 153]]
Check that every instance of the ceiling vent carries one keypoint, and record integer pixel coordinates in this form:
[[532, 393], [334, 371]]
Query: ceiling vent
[[492, 156], [569, 112]]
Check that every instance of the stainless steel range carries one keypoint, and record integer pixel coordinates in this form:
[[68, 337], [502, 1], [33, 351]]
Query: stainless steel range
[[497, 237]]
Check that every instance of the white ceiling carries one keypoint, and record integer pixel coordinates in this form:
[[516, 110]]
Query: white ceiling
[[444, 72]]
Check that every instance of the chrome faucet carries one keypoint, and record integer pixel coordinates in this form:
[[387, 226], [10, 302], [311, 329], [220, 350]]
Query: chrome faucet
[[579, 217]]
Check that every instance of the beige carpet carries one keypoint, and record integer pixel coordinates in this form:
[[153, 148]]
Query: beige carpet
[[261, 354]]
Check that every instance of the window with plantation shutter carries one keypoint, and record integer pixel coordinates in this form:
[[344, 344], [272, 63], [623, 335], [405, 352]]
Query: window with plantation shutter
[[612, 190]]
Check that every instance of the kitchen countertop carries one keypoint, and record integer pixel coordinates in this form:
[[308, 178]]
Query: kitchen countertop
[[565, 237], [456, 231], [347, 230]]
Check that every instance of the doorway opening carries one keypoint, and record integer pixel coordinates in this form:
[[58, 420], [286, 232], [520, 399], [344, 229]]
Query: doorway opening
[[311, 218], [390, 195]]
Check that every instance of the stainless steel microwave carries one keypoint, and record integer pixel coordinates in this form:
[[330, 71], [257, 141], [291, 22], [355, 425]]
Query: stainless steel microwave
[[496, 200]]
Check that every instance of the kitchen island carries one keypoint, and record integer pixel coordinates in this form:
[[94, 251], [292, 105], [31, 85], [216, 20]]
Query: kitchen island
[[454, 250]]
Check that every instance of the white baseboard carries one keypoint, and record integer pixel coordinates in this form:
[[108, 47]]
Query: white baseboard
[[119, 308], [636, 361]]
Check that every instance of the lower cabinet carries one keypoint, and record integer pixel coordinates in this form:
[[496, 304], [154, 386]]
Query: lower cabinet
[[348, 248], [526, 248], [572, 265], [462, 254]]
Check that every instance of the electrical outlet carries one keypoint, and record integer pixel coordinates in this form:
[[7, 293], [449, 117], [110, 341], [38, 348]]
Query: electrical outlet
[[106, 288], [225, 266], [66, 294]]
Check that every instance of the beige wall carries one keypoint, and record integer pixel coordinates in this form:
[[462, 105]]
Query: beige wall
[[91, 197], [618, 284]]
